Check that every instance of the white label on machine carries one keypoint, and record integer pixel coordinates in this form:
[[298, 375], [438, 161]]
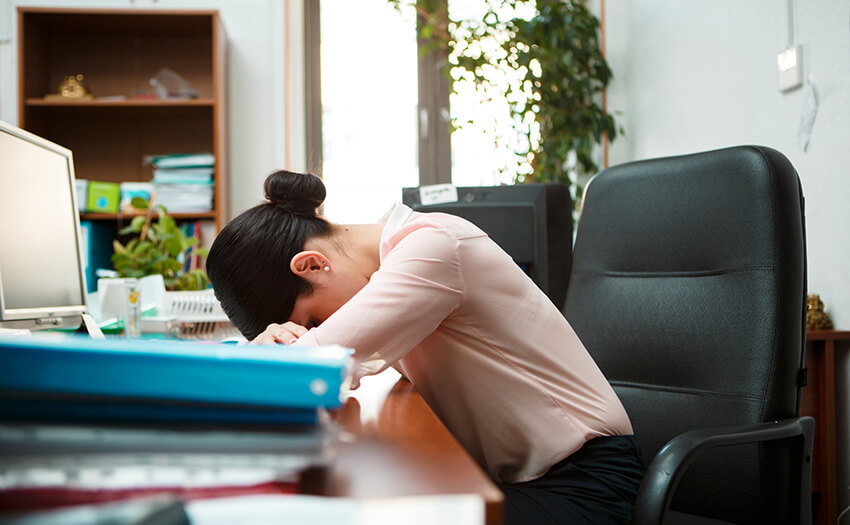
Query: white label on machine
[[437, 194]]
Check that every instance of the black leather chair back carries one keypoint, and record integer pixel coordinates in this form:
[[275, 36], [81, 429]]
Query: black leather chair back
[[688, 288]]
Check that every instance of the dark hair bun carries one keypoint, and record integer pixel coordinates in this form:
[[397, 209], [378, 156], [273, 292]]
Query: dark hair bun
[[299, 193]]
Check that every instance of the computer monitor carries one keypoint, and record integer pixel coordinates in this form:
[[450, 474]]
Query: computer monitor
[[533, 223], [42, 283]]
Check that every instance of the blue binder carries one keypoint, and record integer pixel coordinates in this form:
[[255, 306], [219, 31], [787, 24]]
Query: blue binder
[[71, 378]]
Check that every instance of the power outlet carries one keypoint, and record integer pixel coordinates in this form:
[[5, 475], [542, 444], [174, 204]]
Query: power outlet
[[790, 66]]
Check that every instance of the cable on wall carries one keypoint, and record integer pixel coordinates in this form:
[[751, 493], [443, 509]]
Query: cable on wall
[[791, 36]]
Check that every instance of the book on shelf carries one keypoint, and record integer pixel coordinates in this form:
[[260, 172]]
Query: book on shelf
[[201, 173], [183, 160], [130, 190], [183, 175], [185, 198], [192, 229], [184, 181]]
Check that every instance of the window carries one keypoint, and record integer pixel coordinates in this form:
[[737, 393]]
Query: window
[[483, 152], [369, 123], [383, 118]]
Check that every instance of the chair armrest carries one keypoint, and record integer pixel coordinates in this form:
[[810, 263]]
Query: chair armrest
[[666, 470]]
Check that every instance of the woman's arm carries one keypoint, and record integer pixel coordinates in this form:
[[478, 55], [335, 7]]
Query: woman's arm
[[417, 286], [286, 333]]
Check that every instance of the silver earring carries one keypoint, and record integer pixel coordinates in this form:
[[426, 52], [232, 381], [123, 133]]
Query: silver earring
[[327, 268]]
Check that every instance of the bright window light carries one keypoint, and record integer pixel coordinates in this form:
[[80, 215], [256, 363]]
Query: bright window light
[[369, 104]]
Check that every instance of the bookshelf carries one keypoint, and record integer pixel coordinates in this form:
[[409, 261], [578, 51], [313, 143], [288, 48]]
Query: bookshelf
[[118, 51]]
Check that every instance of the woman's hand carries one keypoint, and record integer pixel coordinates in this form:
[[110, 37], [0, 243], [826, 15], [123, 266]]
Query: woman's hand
[[285, 333]]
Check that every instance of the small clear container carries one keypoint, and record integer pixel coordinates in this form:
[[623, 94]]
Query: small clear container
[[132, 312]]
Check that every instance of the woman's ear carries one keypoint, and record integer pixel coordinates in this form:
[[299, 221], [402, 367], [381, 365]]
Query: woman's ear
[[309, 263]]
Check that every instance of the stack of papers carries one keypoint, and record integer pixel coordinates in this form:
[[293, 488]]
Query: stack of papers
[[184, 182], [49, 466], [90, 421], [462, 509]]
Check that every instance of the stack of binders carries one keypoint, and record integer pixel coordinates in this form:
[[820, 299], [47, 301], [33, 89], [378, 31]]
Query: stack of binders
[[89, 421], [155, 381], [184, 182]]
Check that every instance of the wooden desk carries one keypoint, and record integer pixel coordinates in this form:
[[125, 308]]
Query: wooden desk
[[819, 401], [398, 447]]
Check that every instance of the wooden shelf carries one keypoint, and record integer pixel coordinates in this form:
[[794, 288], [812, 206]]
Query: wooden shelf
[[118, 51], [119, 216], [130, 102]]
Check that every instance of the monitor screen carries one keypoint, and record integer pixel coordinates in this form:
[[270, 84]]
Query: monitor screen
[[41, 273], [532, 222]]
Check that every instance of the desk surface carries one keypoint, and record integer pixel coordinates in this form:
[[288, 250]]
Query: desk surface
[[396, 446]]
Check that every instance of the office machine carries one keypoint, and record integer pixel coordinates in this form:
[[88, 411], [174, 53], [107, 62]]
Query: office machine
[[532, 222], [42, 281]]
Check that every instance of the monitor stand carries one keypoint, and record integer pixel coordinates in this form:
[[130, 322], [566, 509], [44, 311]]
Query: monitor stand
[[89, 326]]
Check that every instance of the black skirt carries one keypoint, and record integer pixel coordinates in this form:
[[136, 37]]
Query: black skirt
[[597, 484]]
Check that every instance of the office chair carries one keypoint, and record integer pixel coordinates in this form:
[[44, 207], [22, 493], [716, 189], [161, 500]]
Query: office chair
[[688, 287]]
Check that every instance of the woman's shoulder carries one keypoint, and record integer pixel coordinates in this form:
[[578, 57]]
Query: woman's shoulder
[[450, 225], [431, 231], [440, 225]]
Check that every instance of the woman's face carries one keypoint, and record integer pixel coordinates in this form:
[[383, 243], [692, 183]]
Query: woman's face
[[327, 297]]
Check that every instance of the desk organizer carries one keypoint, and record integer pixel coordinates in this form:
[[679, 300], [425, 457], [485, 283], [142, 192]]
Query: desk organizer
[[199, 315]]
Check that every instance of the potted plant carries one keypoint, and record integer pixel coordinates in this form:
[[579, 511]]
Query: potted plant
[[159, 247], [557, 101]]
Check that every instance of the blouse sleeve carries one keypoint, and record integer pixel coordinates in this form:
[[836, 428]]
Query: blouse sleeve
[[418, 285]]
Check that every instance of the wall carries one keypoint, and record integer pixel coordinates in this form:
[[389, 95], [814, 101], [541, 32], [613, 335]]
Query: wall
[[263, 102], [701, 74]]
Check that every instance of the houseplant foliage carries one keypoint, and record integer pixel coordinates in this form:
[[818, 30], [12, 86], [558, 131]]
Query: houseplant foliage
[[558, 69], [158, 248]]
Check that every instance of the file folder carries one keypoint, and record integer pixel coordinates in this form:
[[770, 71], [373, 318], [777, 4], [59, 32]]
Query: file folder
[[72, 378]]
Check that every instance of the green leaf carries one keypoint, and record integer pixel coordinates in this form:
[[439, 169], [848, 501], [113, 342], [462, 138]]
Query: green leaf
[[135, 226], [172, 265], [173, 246], [140, 203], [120, 262], [188, 242], [158, 253], [140, 248]]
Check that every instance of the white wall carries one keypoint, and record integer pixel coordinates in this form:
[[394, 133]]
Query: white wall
[[701, 74], [257, 82]]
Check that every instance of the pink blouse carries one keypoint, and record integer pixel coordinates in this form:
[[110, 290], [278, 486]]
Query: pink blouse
[[486, 349]]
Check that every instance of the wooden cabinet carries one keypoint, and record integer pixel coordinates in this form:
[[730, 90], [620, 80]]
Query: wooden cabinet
[[118, 51], [818, 401]]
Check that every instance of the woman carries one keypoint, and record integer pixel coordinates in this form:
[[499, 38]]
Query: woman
[[431, 295]]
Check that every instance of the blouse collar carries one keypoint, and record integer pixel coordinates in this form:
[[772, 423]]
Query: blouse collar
[[395, 218]]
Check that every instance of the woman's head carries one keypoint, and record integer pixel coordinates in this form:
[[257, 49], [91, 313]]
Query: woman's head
[[249, 261]]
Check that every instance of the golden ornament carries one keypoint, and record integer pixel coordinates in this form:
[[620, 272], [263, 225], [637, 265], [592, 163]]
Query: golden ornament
[[816, 317]]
